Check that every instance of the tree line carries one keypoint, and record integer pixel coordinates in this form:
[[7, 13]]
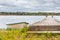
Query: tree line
[[28, 13]]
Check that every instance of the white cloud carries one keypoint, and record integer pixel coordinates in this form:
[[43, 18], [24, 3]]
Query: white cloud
[[24, 5]]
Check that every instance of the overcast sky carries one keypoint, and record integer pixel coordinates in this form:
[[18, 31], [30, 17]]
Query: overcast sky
[[29, 5], [26, 6]]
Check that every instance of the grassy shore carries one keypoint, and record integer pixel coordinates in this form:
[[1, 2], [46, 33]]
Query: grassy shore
[[17, 34]]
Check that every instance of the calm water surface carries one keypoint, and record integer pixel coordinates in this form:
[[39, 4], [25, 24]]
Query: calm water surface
[[14, 19]]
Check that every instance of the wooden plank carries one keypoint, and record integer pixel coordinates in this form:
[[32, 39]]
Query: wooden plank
[[43, 32]]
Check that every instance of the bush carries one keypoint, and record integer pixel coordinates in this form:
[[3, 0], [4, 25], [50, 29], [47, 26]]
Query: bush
[[21, 34]]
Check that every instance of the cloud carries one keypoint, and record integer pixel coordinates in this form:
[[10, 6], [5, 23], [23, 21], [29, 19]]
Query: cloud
[[29, 5]]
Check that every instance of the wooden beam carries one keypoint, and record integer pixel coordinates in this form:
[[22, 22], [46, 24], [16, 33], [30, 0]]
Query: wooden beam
[[43, 32]]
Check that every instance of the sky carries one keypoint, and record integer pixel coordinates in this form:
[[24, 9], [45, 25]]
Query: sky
[[26, 6], [29, 5]]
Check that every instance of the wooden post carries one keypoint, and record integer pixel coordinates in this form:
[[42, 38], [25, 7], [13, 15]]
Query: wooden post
[[52, 16], [46, 16]]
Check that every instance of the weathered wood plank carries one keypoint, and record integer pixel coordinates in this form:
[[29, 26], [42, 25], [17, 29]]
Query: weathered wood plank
[[43, 32]]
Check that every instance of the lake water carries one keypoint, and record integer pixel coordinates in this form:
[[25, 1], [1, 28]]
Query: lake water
[[15, 19]]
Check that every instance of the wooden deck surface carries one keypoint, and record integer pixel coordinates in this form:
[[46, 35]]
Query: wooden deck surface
[[43, 32]]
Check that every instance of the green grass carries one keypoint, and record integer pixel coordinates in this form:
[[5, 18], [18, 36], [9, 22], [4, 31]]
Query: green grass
[[21, 34]]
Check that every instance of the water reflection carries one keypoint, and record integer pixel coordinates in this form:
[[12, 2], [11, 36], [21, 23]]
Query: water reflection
[[14, 19]]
